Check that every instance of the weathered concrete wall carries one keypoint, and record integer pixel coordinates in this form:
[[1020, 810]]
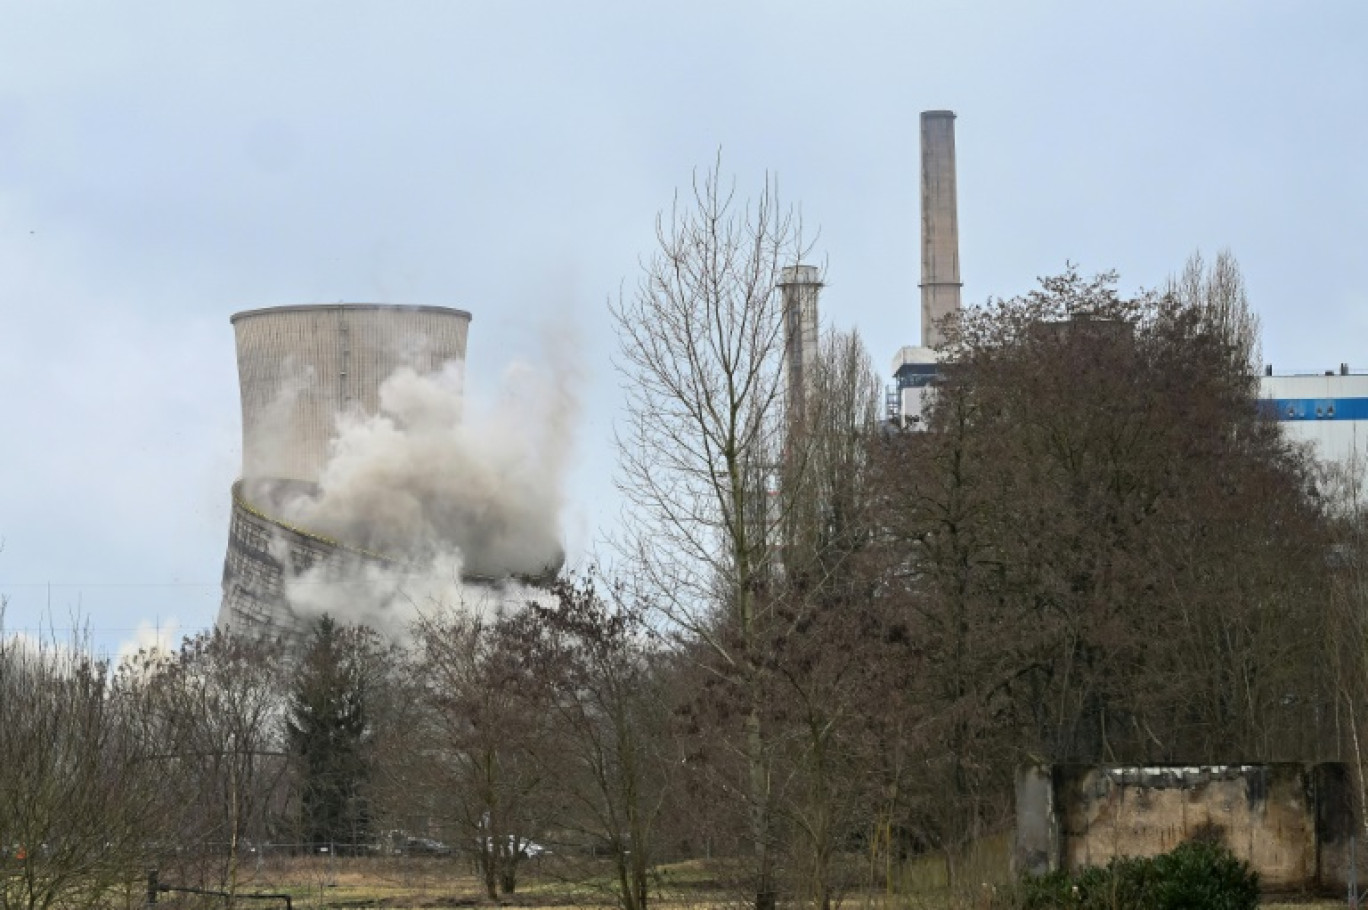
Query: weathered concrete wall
[[1036, 851], [263, 553], [1290, 822], [299, 369]]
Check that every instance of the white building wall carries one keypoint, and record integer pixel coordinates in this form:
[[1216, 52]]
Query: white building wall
[[1329, 412], [914, 376]]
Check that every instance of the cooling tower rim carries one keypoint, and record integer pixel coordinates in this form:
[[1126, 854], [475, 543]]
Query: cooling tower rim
[[381, 307]]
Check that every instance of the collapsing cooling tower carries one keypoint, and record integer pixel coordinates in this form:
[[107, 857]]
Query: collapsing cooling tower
[[300, 368]]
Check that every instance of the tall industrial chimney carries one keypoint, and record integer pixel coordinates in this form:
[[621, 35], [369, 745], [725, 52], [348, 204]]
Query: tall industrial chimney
[[800, 285], [940, 276]]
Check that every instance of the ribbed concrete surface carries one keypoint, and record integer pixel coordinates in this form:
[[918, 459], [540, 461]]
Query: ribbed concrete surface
[[262, 552], [299, 367], [265, 554]]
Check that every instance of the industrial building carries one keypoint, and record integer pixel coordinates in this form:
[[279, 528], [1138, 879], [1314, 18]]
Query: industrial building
[[915, 366], [301, 370], [1327, 410]]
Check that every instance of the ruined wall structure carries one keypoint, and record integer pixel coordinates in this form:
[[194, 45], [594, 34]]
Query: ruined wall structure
[[1291, 822]]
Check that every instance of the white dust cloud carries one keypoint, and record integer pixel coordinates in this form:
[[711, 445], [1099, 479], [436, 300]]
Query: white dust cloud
[[390, 598], [422, 479], [275, 424], [444, 488], [155, 642]]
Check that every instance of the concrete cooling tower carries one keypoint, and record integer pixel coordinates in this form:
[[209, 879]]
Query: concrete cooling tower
[[301, 369], [301, 366]]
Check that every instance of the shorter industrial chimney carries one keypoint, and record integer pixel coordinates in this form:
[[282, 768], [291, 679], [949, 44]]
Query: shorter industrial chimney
[[800, 285], [940, 283]]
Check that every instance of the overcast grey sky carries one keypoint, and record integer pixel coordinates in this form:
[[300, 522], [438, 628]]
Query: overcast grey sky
[[163, 165]]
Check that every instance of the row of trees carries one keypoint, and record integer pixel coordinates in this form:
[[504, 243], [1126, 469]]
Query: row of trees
[[827, 643], [1100, 550], [484, 732]]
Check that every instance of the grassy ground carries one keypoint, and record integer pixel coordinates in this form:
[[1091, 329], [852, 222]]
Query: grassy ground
[[441, 882], [430, 882]]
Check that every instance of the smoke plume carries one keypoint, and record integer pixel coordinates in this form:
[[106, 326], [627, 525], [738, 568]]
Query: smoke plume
[[417, 480], [390, 597], [444, 487]]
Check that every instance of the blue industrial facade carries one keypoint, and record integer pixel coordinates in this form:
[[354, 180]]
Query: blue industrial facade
[[1326, 410], [1317, 408]]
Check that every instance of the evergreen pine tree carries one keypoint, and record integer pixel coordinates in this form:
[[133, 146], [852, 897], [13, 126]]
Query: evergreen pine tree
[[328, 736]]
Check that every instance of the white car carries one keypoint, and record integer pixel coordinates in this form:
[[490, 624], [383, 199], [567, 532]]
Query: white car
[[525, 847]]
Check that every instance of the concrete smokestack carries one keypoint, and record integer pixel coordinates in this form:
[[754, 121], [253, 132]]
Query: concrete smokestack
[[800, 285], [940, 283]]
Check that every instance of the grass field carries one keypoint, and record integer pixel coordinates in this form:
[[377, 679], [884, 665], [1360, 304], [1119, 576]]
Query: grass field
[[433, 882]]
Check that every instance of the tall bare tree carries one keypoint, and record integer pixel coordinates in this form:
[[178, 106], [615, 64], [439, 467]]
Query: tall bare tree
[[607, 750], [1217, 293], [700, 344], [1346, 493], [823, 650]]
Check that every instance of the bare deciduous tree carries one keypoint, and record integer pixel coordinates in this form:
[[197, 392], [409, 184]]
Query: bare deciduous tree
[[1103, 548], [483, 727], [700, 344], [217, 707], [81, 807], [823, 647], [1217, 292], [607, 750]]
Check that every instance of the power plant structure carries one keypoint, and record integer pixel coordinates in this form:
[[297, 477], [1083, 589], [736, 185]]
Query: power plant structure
[[915, 366], [940, 267], [302, 370], [1327, 410], [305, 369], [799, 286]]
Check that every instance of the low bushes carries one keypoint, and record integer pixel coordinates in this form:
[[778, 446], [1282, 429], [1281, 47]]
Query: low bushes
[[1194, 876]]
